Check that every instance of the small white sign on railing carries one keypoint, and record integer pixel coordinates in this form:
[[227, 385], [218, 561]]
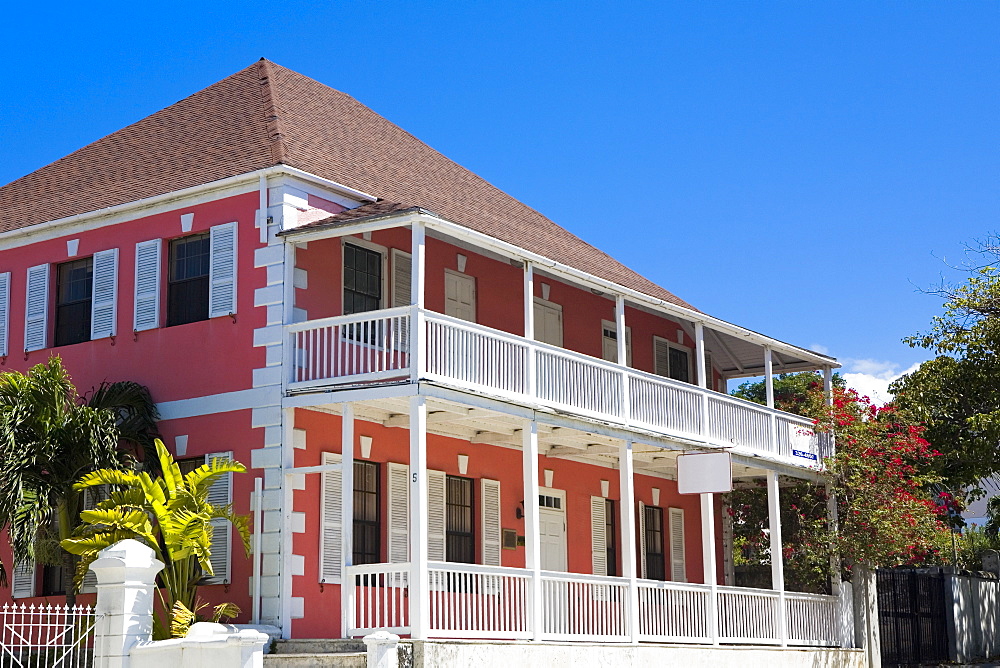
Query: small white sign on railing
[[704, 473]]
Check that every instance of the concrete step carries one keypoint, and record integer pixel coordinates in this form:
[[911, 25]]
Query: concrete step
[[317, 660], [319, 646]]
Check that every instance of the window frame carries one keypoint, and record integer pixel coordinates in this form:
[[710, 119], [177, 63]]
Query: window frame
[[58, 306], [469, 536], [171, 282], [384, 284], [655, 561], [358, 558], [611, 537]]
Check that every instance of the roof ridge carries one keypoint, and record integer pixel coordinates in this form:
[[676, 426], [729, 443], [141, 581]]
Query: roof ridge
[[272, 115]]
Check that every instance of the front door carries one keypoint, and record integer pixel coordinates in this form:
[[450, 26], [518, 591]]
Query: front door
[[552, 530]]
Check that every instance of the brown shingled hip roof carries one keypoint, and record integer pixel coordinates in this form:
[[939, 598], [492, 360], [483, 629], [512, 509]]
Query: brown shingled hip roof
[[267, 115]]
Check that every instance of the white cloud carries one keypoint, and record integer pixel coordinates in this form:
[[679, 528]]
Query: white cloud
[[820, 348], [871, 378]]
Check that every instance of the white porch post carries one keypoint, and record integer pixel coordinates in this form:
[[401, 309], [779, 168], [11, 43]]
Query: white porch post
[[777, 556], [626, 510], [708, 562], [701, 376], [347, 515], [418, 253], [769, 388], [532, 520], [828, 385], [419, 582], [529, 324], [622, 340], [831, 498]]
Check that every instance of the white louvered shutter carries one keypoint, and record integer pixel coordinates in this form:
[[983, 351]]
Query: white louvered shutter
[[37, 308], [642, 539], [331, 544], [4, 313], [104, 304], [23, 580], [399, 513], [91, 497], [146, 314], [402, 264], [678, 571], [598, 535], [437, 526], [222, 271], [490, 504], [661, 357], [220, 494]]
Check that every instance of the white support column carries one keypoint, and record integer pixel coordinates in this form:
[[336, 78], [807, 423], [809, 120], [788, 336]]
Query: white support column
[[529, 324], [532, 523], [347, 515], [418, 248], [419, 584], [769, 389], [777, 556], [622, 340], [828, 385], [708, 562], [626, 511], [702, 377]]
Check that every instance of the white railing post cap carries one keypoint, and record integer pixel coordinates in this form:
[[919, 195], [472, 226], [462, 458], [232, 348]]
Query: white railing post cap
[[383, 649], [126, 560]]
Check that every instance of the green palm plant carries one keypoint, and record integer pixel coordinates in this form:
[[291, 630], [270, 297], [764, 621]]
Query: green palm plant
[[49, 438], [170, 513]]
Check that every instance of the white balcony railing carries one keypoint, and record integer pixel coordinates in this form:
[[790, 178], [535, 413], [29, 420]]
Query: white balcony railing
[[375, 346], [470, 601]]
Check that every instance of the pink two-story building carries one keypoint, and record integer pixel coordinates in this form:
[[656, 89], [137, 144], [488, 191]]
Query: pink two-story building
[[306, 286]]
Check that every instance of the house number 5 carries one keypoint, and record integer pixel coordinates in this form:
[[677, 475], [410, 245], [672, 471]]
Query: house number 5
[[414, 477]]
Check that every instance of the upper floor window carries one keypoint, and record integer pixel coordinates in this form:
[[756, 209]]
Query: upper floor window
[[362, 279], [74, 301], [652, 529], [188, 279], [671, 360]]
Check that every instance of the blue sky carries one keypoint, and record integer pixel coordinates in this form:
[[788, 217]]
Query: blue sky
[[797, 168]]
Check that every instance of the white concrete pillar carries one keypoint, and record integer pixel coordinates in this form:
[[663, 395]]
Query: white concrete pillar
[[347, 513], [532, 521], [777, 554], [383, 650], [529, 325], [419, 595], [626, 512], [418, 248], [709, 563], [828, 385], [833, 518], [126, 576]]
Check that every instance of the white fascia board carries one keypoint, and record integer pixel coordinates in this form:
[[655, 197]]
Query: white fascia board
[[378, 223], [186, 197]]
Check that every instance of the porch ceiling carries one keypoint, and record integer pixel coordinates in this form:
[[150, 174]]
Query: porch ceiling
[[486, 427]]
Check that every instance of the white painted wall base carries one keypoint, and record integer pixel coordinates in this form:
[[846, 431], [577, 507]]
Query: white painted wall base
[[555, 655]]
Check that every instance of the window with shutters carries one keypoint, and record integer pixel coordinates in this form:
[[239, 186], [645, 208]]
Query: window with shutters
[[459, 295], [671, 360], [548, 322], [188, 279], [362, 279], [74, 295], [367, 528], [55, 579], [460, 531], [678, 569], [609, 342], [653, 543]]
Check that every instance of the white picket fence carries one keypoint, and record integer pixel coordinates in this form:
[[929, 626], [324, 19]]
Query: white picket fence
[[375, 347], [46, 636], [484, 602]]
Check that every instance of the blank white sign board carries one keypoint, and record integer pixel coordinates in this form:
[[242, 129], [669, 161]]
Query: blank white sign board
[[704, 473]]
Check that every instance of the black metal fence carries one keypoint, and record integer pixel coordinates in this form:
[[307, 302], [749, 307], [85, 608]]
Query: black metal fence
[[913, 621]]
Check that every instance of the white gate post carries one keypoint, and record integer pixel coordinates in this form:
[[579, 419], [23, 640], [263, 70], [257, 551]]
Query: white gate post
[[126, 575]]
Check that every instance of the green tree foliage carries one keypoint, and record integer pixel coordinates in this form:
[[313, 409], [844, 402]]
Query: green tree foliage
[[956, 394], [49, 437], [790, 390], [171, 514]]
